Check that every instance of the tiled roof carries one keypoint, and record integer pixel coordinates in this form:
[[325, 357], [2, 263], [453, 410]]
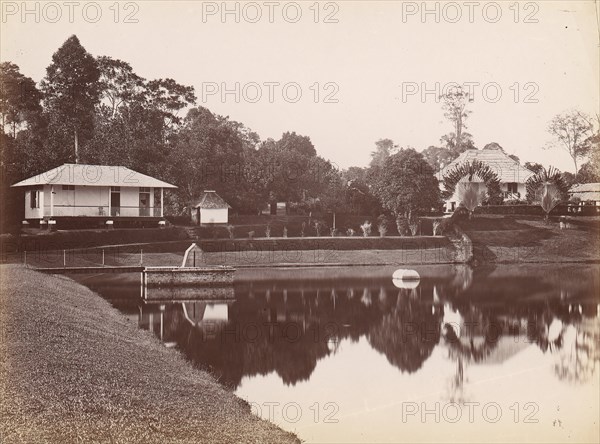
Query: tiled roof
[[507, 169], [212, 201], [93, 175]]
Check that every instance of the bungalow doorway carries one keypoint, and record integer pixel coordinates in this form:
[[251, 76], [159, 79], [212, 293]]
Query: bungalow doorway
[[144, 202], [115, 201]]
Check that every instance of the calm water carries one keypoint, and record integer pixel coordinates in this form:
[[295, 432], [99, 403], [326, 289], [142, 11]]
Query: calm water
[[496, 354]]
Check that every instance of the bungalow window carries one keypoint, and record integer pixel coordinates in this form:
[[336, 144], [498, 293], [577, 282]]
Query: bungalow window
[[512, 187], [34, 199]]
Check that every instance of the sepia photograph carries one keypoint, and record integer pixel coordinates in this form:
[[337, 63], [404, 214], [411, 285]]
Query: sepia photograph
[[320, 222]]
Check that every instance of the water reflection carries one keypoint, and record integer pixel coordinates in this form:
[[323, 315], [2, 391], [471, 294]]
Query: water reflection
[[352, 339], [287, 326]]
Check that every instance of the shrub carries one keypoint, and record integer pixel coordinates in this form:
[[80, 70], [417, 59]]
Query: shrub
[[414, 226], [230, 231], [436, 226], [285, 232], [250, 234], [333, 232], [268, 231], [382, 225], [402, 226], [441, 226], [515, 202], [303, 228], [366, 228], [350, 232], [319, 225]]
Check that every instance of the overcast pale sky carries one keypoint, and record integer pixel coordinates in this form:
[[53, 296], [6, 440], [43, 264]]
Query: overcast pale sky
[[344, 73]]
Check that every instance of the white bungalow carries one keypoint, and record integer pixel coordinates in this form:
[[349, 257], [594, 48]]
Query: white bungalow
[[93, 191], [513, 176], [211, 209]]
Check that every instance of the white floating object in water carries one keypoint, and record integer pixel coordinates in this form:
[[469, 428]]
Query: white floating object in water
[[403, 278], [406, 275], [408, 285]]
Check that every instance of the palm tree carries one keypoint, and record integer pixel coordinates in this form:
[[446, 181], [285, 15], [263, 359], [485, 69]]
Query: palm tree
[[547, 188]]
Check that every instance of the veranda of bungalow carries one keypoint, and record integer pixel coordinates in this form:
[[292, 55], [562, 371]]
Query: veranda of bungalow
[[93, 191]]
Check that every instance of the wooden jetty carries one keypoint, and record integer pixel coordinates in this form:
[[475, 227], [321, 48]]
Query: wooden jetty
[[176, 276]]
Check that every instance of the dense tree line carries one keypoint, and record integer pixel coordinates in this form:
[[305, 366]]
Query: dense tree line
[[97, 110]]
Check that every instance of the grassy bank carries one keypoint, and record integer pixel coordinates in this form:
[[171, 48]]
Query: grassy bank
[[59, 240], [74, 369], [518, 239]]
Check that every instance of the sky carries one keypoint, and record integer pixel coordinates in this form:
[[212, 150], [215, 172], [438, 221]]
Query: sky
[[345, 73]]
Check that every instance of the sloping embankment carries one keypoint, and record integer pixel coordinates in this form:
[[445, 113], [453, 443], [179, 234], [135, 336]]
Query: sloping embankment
[[523, 239], [73, 368]]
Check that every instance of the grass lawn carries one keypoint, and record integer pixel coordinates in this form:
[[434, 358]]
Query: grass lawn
[[73, 369], [506, 239]]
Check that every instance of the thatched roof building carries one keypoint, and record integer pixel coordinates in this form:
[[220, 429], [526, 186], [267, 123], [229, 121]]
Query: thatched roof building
[[507, 168], [585, 191]]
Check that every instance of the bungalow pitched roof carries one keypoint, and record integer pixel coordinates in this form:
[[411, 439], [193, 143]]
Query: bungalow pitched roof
[[93, 175], [507, 169], [585, 188], [586, 191], [212, 201]]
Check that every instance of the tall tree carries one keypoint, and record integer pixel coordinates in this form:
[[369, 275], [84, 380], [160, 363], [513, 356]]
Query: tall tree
[[291, 141], [451, 142], [406, 185], [119, 85], [208, 153], [384, 148], [358, 193], [590, 171], [169, 97], [455, 110], [439, 157], [135, 119], [19, 98], [572, 131], [71, 92]]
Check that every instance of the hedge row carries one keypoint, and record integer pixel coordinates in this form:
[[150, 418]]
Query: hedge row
[[325, 243], [90, 238], [533, 210], [292, 244]]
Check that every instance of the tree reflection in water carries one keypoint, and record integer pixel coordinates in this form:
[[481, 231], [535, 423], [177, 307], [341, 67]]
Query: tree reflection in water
[[481, 315], [407, 332]]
